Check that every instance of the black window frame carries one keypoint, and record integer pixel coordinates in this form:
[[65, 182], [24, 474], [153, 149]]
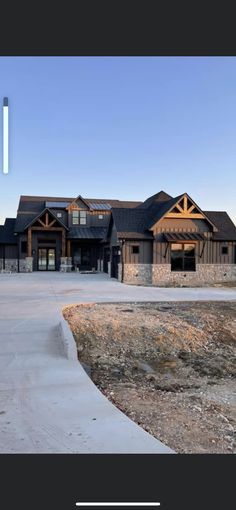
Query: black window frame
[[224, 250], [185, 259], [135, 247]]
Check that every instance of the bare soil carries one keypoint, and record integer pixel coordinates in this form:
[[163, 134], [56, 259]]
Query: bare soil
[[170, 367]]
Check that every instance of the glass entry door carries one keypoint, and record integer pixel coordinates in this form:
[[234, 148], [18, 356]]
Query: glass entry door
[[46, 259]]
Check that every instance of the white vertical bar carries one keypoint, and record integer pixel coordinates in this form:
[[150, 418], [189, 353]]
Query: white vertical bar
[[5, 140], [129, 504]]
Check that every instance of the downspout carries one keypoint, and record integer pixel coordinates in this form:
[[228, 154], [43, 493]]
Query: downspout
[[122, 260]]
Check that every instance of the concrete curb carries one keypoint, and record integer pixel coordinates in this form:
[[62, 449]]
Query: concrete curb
[[68, 342], [70, 351]]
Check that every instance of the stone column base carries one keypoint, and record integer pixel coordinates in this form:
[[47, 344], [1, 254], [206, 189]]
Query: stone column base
[[65, 264], [26, 265]]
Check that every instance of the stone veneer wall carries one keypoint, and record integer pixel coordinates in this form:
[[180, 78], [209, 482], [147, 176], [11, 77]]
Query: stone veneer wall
[[137, 273], [162, 276], [9, 265], [25, 265], [205, 274]]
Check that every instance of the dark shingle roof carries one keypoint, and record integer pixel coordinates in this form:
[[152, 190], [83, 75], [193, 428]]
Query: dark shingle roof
[[158, 209], [87, 233], [31, 206], [162, 196], [7, 232], [36, 204], [130, 222], [227, 229], [135, 223], [23, 220]]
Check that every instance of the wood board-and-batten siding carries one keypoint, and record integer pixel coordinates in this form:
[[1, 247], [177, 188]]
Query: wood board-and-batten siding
[[143, 257], [208, 254]]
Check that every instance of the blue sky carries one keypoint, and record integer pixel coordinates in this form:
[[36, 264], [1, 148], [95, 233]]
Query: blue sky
[[120, 127]]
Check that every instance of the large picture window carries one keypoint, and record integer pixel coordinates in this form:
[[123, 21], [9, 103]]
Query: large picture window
[[183, 257]]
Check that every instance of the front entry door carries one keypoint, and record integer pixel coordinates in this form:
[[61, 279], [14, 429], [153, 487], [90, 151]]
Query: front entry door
[[46, 259], [82, 258]]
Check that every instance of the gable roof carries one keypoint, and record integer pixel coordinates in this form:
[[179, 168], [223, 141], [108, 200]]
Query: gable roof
[[41, 214], [81, 199], [136, 223], [7, 232], [161, 208]]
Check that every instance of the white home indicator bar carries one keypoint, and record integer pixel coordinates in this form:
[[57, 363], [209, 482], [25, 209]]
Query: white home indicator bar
[[119, 504], [5, 136]]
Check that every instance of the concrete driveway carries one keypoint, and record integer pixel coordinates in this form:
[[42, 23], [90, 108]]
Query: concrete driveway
[[47, 402]]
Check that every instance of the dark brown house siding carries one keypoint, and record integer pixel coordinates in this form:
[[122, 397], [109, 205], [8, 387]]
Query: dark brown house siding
[[211, 253], [11, 251], [180, 225], [143, 257]]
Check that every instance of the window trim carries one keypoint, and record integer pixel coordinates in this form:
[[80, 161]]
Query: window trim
[[79, 217], [182, 251]]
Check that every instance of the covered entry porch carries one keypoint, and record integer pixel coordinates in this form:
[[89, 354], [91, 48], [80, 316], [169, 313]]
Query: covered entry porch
[[85, 255]]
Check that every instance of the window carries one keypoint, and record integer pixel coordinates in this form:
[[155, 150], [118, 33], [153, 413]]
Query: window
[[24, 247], [82, 217], [78, 217], [224, 250], [183, 257], [59, 214], [135, 249], [75, 217], [100, 216]]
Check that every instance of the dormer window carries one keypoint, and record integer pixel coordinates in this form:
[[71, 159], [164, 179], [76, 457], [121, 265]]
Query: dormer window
[[82, 217], [75, 218], [78, 217]]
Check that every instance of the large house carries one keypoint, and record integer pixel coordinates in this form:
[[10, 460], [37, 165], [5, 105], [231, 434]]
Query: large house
[[162, 241]]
